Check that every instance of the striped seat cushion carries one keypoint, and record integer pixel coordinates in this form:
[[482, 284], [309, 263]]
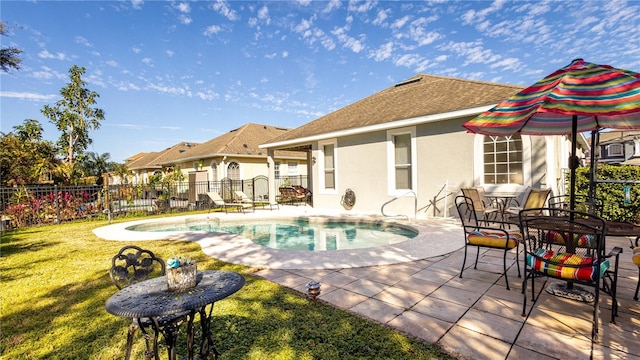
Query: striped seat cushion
[[566, 266], [585, 240], [636, 256], [495, 239]]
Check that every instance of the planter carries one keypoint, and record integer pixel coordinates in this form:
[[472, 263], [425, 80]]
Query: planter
[[181, 278]]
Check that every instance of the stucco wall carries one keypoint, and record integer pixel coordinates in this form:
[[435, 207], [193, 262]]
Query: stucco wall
[[444, 155]]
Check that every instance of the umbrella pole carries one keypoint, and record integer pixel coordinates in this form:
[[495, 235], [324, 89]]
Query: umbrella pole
[[573, 163], [593, 178]]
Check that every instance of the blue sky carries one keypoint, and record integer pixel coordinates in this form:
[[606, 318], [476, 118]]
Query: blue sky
[[190, 71]]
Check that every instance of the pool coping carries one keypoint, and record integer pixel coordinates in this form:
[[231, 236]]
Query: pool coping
[[435, 238]]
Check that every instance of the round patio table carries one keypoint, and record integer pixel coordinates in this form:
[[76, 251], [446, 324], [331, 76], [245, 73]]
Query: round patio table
[[152, 299]]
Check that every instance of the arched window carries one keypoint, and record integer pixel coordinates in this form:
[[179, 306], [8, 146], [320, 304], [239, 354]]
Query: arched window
[[233, 171], [214, 171], [503, 160]]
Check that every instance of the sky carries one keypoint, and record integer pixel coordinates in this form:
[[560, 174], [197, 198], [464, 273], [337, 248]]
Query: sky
[[174, 71]]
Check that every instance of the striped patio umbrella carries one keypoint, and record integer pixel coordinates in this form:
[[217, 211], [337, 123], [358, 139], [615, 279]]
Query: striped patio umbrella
[[579, 97]]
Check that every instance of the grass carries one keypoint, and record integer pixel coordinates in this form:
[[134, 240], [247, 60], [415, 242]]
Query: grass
[[55, 283]]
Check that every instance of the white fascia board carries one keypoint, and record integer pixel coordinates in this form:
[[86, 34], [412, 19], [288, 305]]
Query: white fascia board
[[384, 126]]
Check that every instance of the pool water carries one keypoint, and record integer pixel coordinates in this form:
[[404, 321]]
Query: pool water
[[299, 234]]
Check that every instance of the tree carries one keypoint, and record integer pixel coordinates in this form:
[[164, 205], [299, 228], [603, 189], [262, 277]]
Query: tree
[[9, 55], [94, 164], [24, 157], [74, 116]]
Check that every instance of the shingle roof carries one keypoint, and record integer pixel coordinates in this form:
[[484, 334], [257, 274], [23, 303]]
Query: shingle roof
[[241, 141], [618, 136], [155, 159], [417, 96]]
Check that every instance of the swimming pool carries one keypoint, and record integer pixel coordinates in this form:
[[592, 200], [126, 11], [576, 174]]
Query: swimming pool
[[298, 234]]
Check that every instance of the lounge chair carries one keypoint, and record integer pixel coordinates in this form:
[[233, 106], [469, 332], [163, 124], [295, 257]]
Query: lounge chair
[[535, 199], [489, 213], [245, 199], [217, 202], [288, 194]]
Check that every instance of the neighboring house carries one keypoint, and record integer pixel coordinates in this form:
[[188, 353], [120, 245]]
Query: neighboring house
[[408, 139], [619, 147], [234, 155], [143, 165]]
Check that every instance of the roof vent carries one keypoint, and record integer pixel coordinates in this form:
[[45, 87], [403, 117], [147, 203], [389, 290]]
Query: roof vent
[[411, 81], [245, 146]]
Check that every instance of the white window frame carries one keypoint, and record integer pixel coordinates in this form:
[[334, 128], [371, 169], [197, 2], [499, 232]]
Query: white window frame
[[321, 146], [292, 168], [391, 162], [478, 167], [277, 173], [618, 147]]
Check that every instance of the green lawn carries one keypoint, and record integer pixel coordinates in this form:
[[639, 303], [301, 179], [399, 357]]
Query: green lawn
[[55, 283]]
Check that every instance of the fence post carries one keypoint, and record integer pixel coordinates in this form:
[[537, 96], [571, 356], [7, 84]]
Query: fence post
[[55, 191]]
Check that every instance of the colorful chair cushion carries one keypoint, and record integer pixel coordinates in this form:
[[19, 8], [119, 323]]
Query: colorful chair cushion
[[493, 239], [566, 266], [636, 256], [585, 240]]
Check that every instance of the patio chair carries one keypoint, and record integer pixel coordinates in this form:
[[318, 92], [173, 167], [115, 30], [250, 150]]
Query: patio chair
[[569, 246], [262, 203], [288, 194], [483, 207], [218, 202], [244, 200], [131, 265], [495, 236], [534, 199]]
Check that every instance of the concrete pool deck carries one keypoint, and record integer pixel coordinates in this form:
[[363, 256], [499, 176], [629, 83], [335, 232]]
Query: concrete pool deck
[[473, 317], [434, 238]]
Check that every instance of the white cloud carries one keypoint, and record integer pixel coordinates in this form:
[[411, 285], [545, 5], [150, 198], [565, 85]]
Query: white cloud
[[44, 54], [83, 41], [147, 61], [184, 19], [304, 2], [382, 16], [383, 52], [361, 7], [169, 53], [263, 14], [27, 96], [399, 23], [331, 5], [222, 8], [183, 7], [136, 50], [137, 4], [212, 30], [285, 54], [112, 63]]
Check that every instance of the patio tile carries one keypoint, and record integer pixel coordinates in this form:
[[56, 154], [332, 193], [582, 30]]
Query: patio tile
[[421, 326], [490, 324], [458, 296], [271, 274], [468, 344], [501, 307], [399, 297], [558, 345], [418, 285], [377, 310], [440, 309], [292, 281], [366, 287], [342, 298], [518, 352], [435, 276], [337, 279]]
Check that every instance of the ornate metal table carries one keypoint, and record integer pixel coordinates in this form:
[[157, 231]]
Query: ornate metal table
[[151, 299]]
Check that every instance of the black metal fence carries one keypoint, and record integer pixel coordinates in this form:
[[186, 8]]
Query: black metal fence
[[25, 206]]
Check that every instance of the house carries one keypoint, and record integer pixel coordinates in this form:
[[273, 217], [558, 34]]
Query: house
[[403, 150], [618, 148], [144, 165], [234, 156]]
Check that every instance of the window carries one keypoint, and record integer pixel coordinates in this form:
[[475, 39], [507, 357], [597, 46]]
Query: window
[[292, 168], [233, 171], [503, 160], [214, 171], [614, 150], [276, 169], [402, 152], [329, 166], [401, 155]]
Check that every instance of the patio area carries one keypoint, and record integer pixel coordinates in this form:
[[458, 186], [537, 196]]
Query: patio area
[[476, 317]]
